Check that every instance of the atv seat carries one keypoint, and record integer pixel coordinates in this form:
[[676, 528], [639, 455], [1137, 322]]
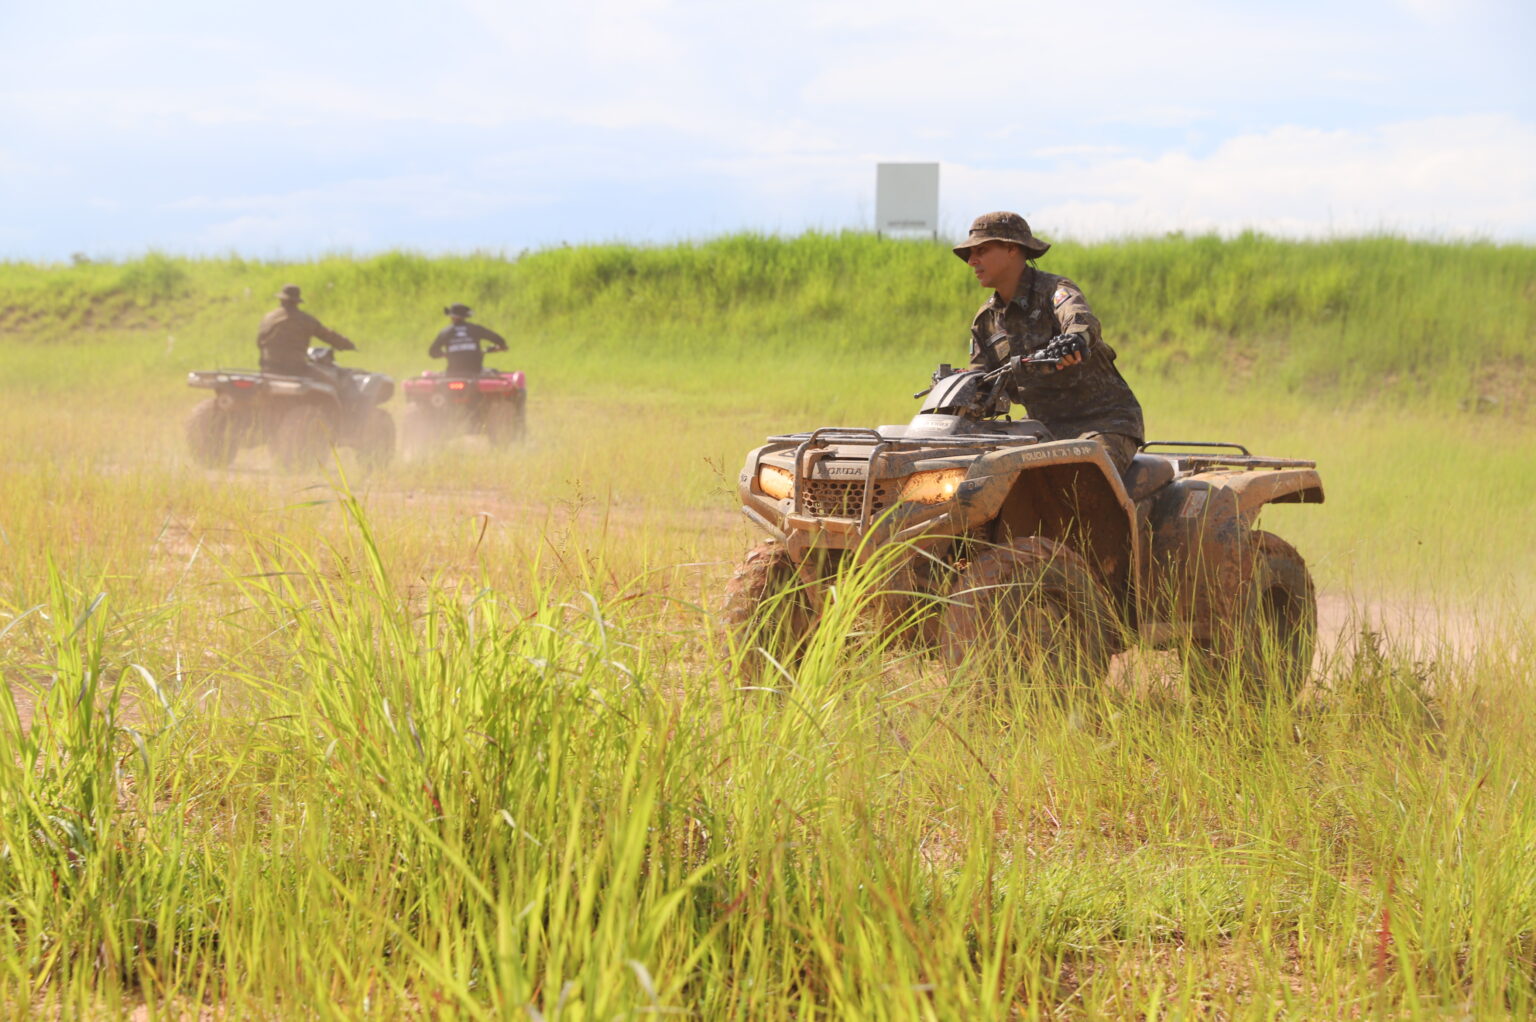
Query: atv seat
[[1146, 474]]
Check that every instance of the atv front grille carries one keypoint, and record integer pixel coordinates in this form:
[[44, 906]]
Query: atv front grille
[[843, 498]]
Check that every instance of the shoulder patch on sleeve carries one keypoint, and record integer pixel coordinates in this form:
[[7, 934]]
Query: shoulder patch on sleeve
[[1061, 295]]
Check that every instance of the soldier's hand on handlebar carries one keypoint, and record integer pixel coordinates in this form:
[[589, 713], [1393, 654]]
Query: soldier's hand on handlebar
[[1066, 351]]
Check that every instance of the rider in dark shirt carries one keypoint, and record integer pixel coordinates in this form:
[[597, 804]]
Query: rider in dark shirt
[[459, 343]]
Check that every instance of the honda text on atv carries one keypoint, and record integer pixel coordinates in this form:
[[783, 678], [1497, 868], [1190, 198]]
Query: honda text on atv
[[439, 406], [299, 417], [1032, 550]]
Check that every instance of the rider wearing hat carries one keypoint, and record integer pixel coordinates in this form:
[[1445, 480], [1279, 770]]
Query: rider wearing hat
[[459, 342], [1033, 313], [284, 337]]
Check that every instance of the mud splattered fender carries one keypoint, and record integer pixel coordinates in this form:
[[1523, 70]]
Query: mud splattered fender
[[1285, 486], [1202, 549], [991, 477]]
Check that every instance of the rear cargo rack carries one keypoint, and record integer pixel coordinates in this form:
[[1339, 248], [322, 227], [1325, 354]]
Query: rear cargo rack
[[1197, 460], [1195, 443]]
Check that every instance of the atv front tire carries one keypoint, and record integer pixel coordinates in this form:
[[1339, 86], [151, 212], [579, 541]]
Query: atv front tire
[[1035, 606], [766, 610], [212, 436]]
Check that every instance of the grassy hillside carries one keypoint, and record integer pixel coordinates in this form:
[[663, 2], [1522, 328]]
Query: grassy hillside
[[1349, 317]]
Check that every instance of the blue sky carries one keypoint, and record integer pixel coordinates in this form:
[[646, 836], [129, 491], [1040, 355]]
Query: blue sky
[[295, 128]]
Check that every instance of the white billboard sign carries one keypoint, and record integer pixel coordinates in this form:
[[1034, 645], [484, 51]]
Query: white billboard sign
[[907, 198]]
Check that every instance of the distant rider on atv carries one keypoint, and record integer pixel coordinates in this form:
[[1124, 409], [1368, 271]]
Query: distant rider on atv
[[459, 342], [1032, 314], [284, 337]]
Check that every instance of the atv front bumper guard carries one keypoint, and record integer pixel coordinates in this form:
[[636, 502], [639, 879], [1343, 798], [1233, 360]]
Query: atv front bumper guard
[[812, 447]]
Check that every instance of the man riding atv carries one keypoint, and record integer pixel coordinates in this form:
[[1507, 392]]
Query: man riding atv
[[466, 397], [300, 403], [459, 342], [1042, 546], [1035, 315], [284, 337]]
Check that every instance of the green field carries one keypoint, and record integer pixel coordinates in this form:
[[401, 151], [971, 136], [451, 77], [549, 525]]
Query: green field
[[458, 739]]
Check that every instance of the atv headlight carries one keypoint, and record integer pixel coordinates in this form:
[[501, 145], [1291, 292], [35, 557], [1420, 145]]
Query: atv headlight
[[776, 482], [932, 487]]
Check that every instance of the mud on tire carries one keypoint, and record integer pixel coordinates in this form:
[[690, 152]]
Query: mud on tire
[[764, 609], [1032, 605], [1272, 633], [212, 435], [302, 439]]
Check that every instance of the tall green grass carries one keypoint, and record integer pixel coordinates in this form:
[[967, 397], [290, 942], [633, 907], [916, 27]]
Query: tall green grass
[[454, 800]]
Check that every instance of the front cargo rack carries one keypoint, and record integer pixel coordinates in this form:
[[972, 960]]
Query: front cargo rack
[[809, 447]]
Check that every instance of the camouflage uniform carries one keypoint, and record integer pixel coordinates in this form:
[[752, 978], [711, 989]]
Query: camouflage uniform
[[1087, 399], [284, 337]]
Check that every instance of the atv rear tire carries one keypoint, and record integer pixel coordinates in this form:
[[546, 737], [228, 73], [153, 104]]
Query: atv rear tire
[[302, 438], [212, 436], [766, 611], [376, 440], [504, 422], [1271, 641], [1032, 605]]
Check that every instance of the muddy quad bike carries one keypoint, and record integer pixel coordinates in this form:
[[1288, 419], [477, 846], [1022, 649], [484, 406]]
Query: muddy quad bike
[[439, 406], [1030, 550], [298, 417]]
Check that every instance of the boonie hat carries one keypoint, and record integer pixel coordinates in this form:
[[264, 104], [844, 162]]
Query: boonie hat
[[456, 309], [289, 293], [1001, 226]]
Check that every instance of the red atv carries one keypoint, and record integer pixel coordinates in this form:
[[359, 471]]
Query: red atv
[[439, 407]]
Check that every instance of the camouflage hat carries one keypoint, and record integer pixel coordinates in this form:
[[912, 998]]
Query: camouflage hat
[[289, 293], [1008, 227], [456, 309]]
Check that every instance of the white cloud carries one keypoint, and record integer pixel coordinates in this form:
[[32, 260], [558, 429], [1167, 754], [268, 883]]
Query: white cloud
[[270, 233], [425, 196], [1466, 176], [1079, 152], [12, 165]]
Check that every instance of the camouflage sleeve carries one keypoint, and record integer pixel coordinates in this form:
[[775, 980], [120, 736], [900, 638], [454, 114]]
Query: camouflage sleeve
[[979, 355], [1073, 316]]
